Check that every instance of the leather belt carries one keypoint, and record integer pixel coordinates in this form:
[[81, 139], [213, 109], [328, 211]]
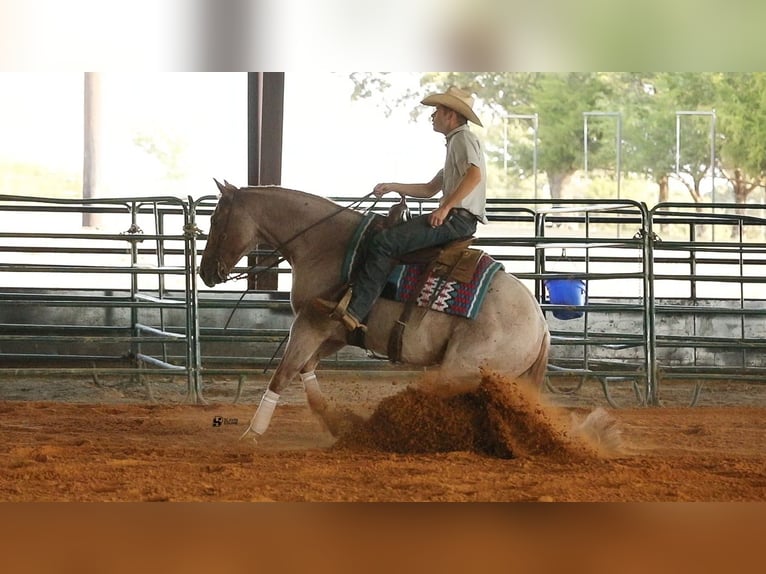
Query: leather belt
[[463, 212]]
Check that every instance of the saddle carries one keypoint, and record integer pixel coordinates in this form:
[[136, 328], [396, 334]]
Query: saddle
[[452, 261], [455, 260]]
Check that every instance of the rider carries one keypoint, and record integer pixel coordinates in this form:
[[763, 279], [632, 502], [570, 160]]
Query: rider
[[462, 205]]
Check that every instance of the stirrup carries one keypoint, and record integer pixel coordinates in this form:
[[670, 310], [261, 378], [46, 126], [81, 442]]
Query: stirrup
[[339, 311]]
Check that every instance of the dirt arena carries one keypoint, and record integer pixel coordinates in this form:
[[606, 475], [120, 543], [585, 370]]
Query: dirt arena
[[75, 440]]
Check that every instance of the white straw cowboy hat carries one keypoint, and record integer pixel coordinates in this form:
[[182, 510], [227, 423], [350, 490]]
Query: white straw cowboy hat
[[454, 99]]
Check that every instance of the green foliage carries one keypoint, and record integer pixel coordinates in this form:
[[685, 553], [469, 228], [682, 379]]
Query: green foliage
[[167, 150], [27, 179], [648, 103], [632, 187], [742, 109]]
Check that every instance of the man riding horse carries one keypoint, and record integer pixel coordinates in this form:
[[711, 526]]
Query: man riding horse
[[463, 183], [504, 330]]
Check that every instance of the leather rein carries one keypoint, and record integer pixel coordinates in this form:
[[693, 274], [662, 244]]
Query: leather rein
[[255, 270]]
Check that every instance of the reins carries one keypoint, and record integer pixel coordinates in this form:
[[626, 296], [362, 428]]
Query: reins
[[255, 271]]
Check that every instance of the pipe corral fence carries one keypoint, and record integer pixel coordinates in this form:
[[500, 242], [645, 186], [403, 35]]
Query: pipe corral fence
[[669, 293]]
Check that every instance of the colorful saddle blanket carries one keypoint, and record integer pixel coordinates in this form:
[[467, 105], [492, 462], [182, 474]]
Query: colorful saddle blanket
[[438, 293], [442, 294]]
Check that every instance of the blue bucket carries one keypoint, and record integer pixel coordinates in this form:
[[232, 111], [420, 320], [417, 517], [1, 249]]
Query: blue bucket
[[566, 292]]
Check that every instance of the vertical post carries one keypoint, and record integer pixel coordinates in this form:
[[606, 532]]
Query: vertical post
[[533, 118], [618, 148], [193, 339], [91, 142], [712, 156], [711, 115], [618, 145], [678, 142], [505, 146], [135, 346], [650, 326], [254, 101], [536, 127], [585, 142], [265, 112]]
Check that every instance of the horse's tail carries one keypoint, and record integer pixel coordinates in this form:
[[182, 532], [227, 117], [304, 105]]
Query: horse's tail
[[535, 375]]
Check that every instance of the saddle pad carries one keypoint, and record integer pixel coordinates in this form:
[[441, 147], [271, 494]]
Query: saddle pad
[[439, 294], [445, 295]]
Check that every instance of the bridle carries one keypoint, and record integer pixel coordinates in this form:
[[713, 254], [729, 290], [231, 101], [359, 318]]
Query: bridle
[[255, 270]]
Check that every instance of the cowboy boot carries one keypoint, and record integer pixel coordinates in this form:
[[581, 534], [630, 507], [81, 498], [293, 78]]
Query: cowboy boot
[[339, 311]]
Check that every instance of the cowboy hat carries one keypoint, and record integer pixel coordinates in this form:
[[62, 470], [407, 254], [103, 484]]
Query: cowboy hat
[[454, 99]]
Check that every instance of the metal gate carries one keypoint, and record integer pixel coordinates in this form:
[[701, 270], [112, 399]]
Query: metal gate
[[122, 299]]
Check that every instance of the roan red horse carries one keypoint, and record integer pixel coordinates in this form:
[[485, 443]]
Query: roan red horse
[[508, 336]]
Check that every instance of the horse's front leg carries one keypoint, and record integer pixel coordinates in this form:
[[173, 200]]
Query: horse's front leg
[[301, 355]]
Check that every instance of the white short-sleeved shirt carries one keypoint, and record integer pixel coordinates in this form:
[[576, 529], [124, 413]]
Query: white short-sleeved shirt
[[463, 150]]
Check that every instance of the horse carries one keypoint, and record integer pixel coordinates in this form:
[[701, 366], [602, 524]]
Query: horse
[[509, 335]]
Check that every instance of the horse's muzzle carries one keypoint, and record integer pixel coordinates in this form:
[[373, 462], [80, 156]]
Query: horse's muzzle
[[212, 275]]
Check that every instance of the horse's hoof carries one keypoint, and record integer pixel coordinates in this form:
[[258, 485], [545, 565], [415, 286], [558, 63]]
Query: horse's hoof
[[250, 434]]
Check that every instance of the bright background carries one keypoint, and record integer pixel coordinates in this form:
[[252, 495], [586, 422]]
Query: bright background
[[171, 133]]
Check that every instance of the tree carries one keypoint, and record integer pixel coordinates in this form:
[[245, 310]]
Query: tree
[[742, 108], [648, 133], [694, 92], [166, 149], [559, 100], [648, 103]]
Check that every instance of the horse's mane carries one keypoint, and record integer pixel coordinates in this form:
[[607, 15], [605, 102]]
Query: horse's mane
[[279, 189], [319, 205]]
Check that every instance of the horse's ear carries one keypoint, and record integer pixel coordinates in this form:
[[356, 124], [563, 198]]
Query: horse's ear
[[219, 185], [229, 185]]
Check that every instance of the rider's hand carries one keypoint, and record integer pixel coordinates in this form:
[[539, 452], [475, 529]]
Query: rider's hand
[[438, 217], [382, 189]]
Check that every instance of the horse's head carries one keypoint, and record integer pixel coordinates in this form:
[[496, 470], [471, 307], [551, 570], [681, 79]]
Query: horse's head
[[231, 236]]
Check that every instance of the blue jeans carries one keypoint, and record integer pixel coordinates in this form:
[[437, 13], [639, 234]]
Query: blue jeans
[[389, 244]]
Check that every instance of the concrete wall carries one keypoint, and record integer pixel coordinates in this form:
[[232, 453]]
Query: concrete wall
[[261, 318], [684, 329]]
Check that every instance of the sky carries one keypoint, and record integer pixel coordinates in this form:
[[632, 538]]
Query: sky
[[332, 146], [41, 118], [337, 147]]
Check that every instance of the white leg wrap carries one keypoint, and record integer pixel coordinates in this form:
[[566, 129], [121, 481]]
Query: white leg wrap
[[262, 416], [313, 392], [310, 383]]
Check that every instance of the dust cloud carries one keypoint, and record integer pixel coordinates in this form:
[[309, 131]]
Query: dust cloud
[[501, 418]]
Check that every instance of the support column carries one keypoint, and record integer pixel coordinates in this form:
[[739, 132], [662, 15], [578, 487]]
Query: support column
[[92, 142], [265, 113]]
